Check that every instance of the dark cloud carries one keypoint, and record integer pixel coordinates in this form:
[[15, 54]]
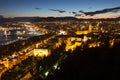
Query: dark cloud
[[60, 11], [81, 11], [78, 14], [74, 12], [37, 8], [113, 10]]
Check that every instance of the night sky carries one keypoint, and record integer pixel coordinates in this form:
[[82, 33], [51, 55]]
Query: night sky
[[60, 8]]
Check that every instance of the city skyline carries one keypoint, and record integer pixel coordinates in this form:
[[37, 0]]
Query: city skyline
[[60, 8]]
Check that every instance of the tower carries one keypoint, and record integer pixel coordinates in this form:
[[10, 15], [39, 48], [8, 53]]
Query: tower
[[90, 28]]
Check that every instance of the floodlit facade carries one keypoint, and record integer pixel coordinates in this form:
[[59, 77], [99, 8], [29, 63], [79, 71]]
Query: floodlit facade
[[41, 52]]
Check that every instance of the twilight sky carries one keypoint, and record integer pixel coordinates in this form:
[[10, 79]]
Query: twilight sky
[[59, 8]]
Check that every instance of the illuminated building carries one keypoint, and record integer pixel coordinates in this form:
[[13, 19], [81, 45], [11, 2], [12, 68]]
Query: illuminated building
[[61, 32], [70, 45], [95, 44], [41, 52], [111, 42], [85, 31]]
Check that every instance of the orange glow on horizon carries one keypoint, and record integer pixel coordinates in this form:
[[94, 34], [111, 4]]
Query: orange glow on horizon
[[98, 16]]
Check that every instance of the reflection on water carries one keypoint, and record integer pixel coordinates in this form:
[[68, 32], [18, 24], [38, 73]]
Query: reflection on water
[[5, 40]]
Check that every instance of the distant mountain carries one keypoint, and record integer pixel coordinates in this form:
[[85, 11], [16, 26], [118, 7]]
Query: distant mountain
[[50, 19]]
